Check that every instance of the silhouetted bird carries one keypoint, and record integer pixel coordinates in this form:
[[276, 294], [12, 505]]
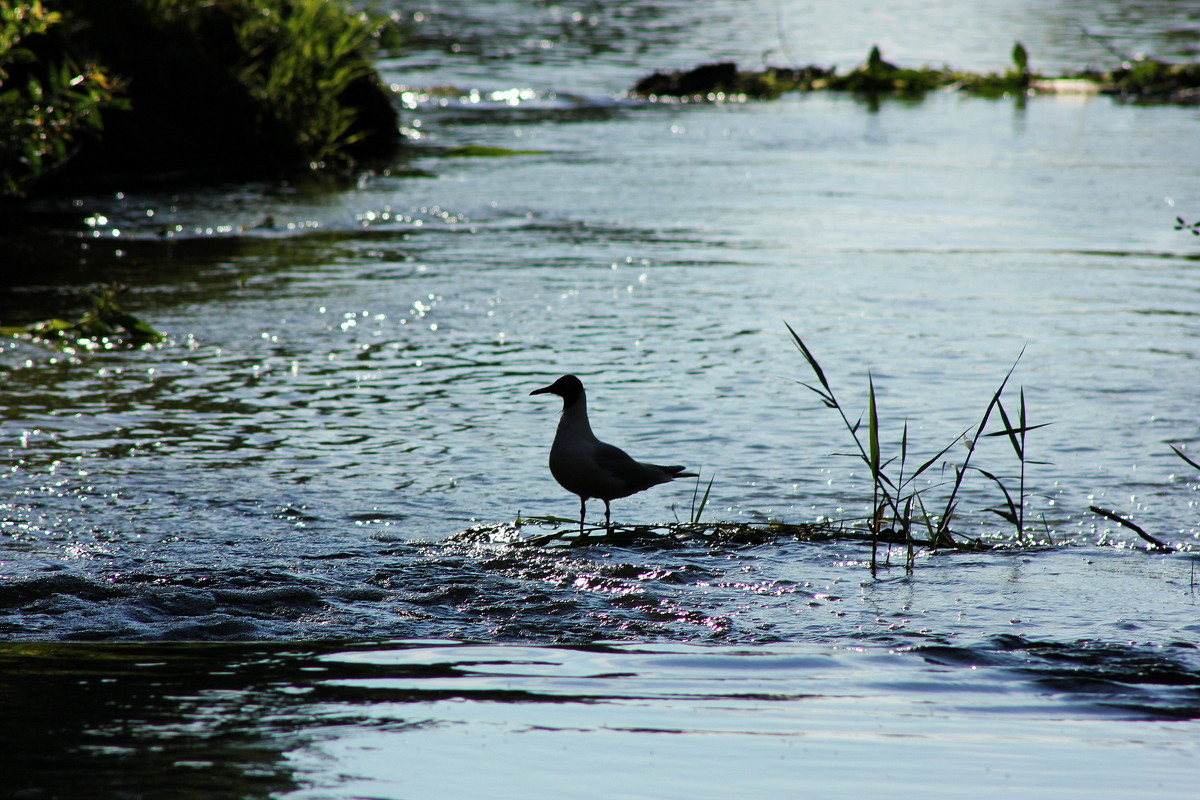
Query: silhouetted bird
[[588, 467]]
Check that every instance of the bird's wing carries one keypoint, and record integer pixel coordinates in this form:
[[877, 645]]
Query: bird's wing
[[633, 474], [614, 460]]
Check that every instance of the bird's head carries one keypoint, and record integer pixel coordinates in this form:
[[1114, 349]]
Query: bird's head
[[568, 387]]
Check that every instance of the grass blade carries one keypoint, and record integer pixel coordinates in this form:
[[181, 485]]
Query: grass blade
[[921, 469], [873, 428], [1179, 453], [810, 358], [698, 510], [1008, 429], [1020, 429], [1013, 514]]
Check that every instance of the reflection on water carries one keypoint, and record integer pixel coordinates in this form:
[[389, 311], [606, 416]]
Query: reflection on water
[[121, 721], [401, 720]]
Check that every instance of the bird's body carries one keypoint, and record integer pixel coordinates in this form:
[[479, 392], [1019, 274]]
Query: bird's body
[[590, 468]]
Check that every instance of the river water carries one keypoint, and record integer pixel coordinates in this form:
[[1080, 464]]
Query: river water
[[229, 564]]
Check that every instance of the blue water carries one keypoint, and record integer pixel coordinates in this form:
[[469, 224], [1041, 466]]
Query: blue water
[[230, 564]]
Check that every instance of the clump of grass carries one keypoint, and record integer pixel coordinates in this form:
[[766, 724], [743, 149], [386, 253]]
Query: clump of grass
[[877, 76], [899, 503], [1015, 81], [1152, 80], [726, 81], [50, 103], [1144, 80], [228, 88]]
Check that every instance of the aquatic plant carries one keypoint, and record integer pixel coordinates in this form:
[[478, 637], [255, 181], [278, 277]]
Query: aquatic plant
[[1155, 542], [106, 325], [1150, 80], [1145, 80], [876, 76], [899, 504], [725, 80], [698, 508], [1016, 81], [1194, 227]]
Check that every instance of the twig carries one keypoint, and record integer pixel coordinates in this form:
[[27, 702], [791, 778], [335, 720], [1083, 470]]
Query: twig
[[1103, 42], [1115, 517]]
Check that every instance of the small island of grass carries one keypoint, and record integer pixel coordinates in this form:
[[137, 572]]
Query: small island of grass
[[1142, 80]]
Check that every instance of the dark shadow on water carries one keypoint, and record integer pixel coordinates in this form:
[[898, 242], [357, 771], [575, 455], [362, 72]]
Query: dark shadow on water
[[203, 721], [160, 720], [215, 721], [185, 721], [1128, 680]]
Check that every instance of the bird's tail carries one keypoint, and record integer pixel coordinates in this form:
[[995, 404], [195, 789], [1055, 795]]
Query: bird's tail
[[678, 472]]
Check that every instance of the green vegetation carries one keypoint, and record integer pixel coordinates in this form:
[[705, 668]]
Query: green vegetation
[[49, 102], [480, 151], [1144, 80], [903, 512], [877, 76], [719, 81], [698, 508], [102, 88], [900, 505], [106, 326], [1150, 79]]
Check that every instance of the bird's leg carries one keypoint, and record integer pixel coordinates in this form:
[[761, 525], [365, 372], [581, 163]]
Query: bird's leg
[[582, 509], [607, 519]]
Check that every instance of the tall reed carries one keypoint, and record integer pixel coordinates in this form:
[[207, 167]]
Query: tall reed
[[898, 503]]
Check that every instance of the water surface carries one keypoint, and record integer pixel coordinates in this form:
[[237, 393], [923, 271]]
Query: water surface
[[345, 388]]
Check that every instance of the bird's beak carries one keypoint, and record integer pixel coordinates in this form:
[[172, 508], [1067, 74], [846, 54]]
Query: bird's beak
[[543, 390]]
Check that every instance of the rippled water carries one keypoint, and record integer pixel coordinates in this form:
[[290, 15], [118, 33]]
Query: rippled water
[[345, 387]]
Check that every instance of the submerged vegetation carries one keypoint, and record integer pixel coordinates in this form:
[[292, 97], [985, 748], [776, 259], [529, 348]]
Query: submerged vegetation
[[1144, 80], [563, 532], [105, 326], [104, 88]]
